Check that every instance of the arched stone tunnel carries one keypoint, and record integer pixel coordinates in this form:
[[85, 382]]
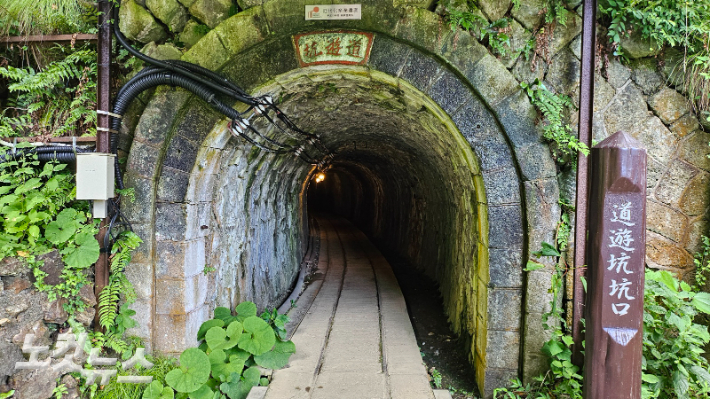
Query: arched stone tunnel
[[437, 157]]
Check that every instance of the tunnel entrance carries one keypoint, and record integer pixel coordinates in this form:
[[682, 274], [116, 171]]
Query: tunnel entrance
[[404, 175], [442, 167]]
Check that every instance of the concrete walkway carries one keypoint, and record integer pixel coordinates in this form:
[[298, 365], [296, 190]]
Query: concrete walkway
[[355, 340]]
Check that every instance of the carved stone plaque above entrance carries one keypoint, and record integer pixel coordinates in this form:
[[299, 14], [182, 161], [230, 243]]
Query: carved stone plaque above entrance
[[341, 47]]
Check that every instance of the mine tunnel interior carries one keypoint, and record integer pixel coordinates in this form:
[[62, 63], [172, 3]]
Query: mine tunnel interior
[[402, 173]]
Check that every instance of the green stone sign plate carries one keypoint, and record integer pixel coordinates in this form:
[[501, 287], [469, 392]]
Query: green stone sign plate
[[341, 47]]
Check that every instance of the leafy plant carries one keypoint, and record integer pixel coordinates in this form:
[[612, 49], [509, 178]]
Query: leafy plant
[[436, 377], [702, 265], [226, 364], [563, 379], [673, 365], [59, 99], [114, 390], [47, 16], [552, 107], [38, 215], [668, 23], [59, 391]]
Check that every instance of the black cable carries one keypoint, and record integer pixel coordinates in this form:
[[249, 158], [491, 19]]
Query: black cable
[[177, 68]]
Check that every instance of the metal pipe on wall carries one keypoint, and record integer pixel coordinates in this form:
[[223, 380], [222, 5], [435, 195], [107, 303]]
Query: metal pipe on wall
[[103, 135], [586, 114]]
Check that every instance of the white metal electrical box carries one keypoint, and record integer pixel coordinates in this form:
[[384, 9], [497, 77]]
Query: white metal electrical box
[[95, 180]]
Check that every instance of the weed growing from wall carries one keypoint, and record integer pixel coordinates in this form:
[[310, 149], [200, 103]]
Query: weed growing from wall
[[552, 108]]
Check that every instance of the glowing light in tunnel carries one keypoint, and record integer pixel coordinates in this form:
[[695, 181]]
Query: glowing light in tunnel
[[320, 177]]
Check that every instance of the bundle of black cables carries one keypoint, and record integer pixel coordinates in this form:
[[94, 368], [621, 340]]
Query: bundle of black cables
[[213, 88]]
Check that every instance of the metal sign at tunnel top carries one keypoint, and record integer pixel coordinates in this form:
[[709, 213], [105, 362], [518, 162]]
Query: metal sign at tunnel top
[[333, 11], [341, 47]]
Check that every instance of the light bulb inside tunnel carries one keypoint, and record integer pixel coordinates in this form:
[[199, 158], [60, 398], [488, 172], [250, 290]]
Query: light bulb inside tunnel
[[320, 177]]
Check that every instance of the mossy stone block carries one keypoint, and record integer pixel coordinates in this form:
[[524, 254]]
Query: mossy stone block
[[170, 12], [193, 32], [247, 4], [208, 52], [138, 24], [162, 51], [243, 30], [492, 80], [635, 46], [423, 28], [211, 12], [494, 9]]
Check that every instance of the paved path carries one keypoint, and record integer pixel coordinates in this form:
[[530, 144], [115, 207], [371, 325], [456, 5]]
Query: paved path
[[356, 340]]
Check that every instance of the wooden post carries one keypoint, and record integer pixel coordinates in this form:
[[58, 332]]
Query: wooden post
[[617, 252]]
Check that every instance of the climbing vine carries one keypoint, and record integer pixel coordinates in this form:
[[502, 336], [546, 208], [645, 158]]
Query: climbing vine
[[552, 108]]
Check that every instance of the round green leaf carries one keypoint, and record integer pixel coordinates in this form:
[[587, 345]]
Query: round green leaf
[[207, 325], [86, 252], [239, 387], [258, 337], [224, 314], [278, 357], [194, 371], [223, 368], [245, 310], [156, 390], [204, 392], [62, 229], [219, 338]]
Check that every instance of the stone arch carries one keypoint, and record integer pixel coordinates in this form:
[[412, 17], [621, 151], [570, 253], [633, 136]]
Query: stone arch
[[178, 153]]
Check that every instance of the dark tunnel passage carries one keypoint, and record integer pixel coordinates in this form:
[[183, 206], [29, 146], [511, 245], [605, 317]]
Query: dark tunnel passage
[[405, 176]]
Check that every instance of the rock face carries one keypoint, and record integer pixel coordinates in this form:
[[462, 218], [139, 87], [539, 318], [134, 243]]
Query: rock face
[[162, 51], [211, 12], [669, 105], [170, 12], [636, 47], [138, 24], [193, 32]]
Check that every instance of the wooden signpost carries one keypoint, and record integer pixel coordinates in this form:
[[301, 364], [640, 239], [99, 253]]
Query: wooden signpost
[[616, 254]]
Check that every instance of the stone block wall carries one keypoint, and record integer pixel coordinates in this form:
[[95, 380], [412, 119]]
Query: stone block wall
[[213, 200]]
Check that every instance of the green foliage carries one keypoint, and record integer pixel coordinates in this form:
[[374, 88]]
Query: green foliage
[[673, 365], [161, 367], [194, 371], [564, 228], [47, 16], [436, 377], [495, 32], [556, 11], [669, 23], [59, 391], [225, 364], [702, 265], [38, 215], [56, 100], [118, 284], [552, 107]]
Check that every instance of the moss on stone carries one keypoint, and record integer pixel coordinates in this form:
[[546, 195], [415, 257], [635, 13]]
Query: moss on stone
[[243, 30], [208, 52]]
